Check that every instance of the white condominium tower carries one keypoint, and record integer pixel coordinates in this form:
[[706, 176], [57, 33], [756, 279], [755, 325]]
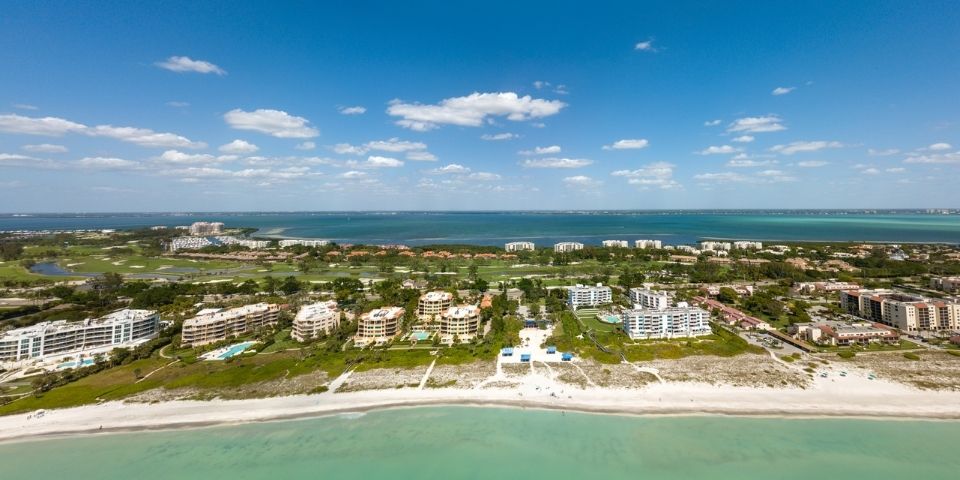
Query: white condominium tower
[[615, 244], [379, 325], [206, 228], [669, 322], [432, 304], [589, 296], [648, 244], [123, 328], [518, 246], [646, 298], [306, 243], [217, 324], [314, 319], [461, 320], [744, 245], [564, 247]]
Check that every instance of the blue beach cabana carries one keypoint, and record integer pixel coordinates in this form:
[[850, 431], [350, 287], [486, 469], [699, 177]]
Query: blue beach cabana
[[552, 349], [524, 357], [566, 357], [506, 352]]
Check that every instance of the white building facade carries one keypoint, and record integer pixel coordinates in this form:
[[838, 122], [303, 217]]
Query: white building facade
[[589, 296], [566, 247], [646, 298], [315, 319], [216, 324], [519, 246], [646, 243], [671, 322], [615, 244]]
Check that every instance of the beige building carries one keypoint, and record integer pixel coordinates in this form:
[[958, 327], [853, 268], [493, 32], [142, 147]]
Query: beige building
[[432, 304], [315, 319], [947, 284], [907, 312], [463, 320], [214, 325], [378, 326]]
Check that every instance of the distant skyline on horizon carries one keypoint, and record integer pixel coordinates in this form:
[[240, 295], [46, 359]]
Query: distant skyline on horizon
[[118, 107]]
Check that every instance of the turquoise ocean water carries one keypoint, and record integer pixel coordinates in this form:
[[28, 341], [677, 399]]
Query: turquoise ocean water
[[543, 228], [488, 443]]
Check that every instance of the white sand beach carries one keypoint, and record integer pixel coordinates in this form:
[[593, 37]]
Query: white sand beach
[[848, 396]]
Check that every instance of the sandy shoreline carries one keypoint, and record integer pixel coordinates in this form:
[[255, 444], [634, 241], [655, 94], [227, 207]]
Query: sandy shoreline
[[856, 398]]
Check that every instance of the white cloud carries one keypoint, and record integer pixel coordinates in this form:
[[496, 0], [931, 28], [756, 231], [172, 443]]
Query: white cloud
[[17, 160], [186, 64], [347, 149], [239, 147], [177, 104], [582, 181], [182, 158], [472, 110], [768, 123], [718, 150], [934, 158], [870, 171], [355, 110], [657, 174], [744, 139], [499, 136], [376, 161], [395, 145], [628, 144], [483, 176], [896, 170], [812, 163], [551, 150], [800, 147], [106, 163], [765, 176], [25, 106], [940, 147], [712, 123], [882, 153], [45, 148], [645, 46], [421, 156], [453, 168], [748, 163], [539, 84], [55, 127], [353, 174], [306, 146], [272, 122], [782, 90], [552, 162]]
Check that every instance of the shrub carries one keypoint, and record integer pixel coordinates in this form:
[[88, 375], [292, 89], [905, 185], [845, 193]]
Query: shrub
[[846, 354], [911, 356]]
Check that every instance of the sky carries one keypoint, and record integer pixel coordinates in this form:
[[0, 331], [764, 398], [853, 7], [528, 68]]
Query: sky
[[290, 106]]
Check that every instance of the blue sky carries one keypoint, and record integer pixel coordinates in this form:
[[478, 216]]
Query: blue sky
[[119, 106]]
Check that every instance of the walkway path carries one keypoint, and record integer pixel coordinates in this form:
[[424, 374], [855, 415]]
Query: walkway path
[[339, 381], [426, 376], [650, 370], [155, 371]]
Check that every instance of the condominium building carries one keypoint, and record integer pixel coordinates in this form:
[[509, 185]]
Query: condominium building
[[206, 228], [646, 298], [670, 322], [710, 246], [905, 311], [314, 319], [306, 243], [689, 249], [216, 324], [379, 325], [744, 245], [565, 247], [813, 287], [589, 296], [518, 246], [461, 320], [196, 243], [615, 244], [947, 284], [120, 329], [648, 244], [844, 333], [432, 304]]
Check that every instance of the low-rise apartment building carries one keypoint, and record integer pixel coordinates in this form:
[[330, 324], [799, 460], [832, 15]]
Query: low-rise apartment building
[[432, 304], [670, 322], [908, 312], [214, 325], [306, 243], [463, 321], [588, 296], [646, 298], [646, 243], [566, 247], [519, 246], [315, 319], [378, 326], [120, 329], [814, 287], [844, 333]]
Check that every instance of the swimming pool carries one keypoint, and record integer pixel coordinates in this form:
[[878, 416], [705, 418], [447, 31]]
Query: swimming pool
[[420, 336], [84, 363], [235, 350], [610, 319]]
